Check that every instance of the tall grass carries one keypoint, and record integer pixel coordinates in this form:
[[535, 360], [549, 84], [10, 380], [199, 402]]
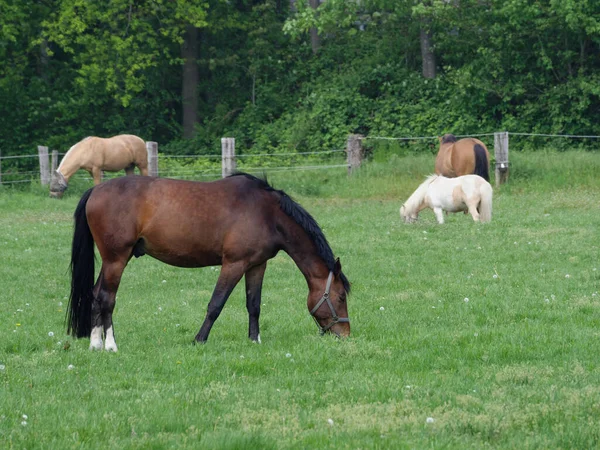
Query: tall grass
[[463, 335]]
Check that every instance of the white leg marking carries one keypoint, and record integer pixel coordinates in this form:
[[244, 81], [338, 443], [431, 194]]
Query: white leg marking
[[258, 340], [96, 338], [439, 214], [110, 344]]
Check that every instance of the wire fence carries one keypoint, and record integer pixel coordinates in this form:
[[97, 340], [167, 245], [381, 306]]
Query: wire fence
[[21, 169], [193, 167]]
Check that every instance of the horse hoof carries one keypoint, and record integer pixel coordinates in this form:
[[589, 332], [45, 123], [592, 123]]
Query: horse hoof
[[96, 346]]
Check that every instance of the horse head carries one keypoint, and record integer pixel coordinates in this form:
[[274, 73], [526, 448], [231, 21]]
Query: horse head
[[58, 185], [408, 217], [329, 307], [448, 139]]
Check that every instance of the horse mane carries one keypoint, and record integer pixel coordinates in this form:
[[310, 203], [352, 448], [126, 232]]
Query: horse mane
[[416, 198], [76, 144], [448, 138], [303, 218]]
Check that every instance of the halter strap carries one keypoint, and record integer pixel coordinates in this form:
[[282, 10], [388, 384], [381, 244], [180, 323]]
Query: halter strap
[[325, 298]]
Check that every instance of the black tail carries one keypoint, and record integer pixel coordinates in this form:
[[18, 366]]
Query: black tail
[[79, 320], [482, 165]]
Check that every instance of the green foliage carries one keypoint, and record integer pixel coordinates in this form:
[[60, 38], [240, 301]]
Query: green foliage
[[101, 68]]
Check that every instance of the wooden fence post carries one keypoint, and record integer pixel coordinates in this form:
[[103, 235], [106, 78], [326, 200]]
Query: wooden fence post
[[355, 152], [228, 163], [152, 149], [53, 163], [501, 155], [44, 165]]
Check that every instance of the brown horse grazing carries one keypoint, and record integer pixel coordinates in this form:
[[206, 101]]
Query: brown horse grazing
[[95, 154], [238, 222], [462, 157]]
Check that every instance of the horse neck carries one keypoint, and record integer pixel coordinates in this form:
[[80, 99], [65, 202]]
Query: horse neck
[[69, 164], [415, 201], [303, 252]]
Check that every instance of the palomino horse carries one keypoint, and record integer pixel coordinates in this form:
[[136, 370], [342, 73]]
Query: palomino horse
[[238, 222], [95, 154], [462, 157], [467, 193]]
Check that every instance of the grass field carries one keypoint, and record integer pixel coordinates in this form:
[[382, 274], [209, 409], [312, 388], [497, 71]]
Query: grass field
[[463, 335]]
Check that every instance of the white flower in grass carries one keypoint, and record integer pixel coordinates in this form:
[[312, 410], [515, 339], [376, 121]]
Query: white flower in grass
[[330, 422], [2, 367], [567, 276], [547, 300], [495, 276], [430, 420], [50, 333], [70, 367], [24, 423], [466, 299], [160, 308], [164, 281], [24, 416], [288, 355], [381, 308]]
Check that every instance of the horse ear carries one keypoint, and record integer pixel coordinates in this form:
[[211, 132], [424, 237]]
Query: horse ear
[[337, 268]]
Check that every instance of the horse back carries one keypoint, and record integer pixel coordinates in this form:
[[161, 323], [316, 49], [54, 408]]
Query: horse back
[[182, 223], [120, 151]]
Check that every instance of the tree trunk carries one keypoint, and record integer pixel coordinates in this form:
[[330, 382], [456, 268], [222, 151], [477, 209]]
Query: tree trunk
[[189, 91], [315, 41], [43, 64], [427, 54]]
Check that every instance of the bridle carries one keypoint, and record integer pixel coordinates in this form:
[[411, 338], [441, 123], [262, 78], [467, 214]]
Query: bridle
[[325, 298]]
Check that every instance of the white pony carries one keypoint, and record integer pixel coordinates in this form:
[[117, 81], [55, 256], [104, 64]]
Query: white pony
[[467, 193]]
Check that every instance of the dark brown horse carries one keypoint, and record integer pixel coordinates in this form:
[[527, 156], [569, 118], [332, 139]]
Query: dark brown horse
[[239, 223], [462, 157]]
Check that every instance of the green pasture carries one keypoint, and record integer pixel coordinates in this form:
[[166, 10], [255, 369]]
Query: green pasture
[[463, 335]]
